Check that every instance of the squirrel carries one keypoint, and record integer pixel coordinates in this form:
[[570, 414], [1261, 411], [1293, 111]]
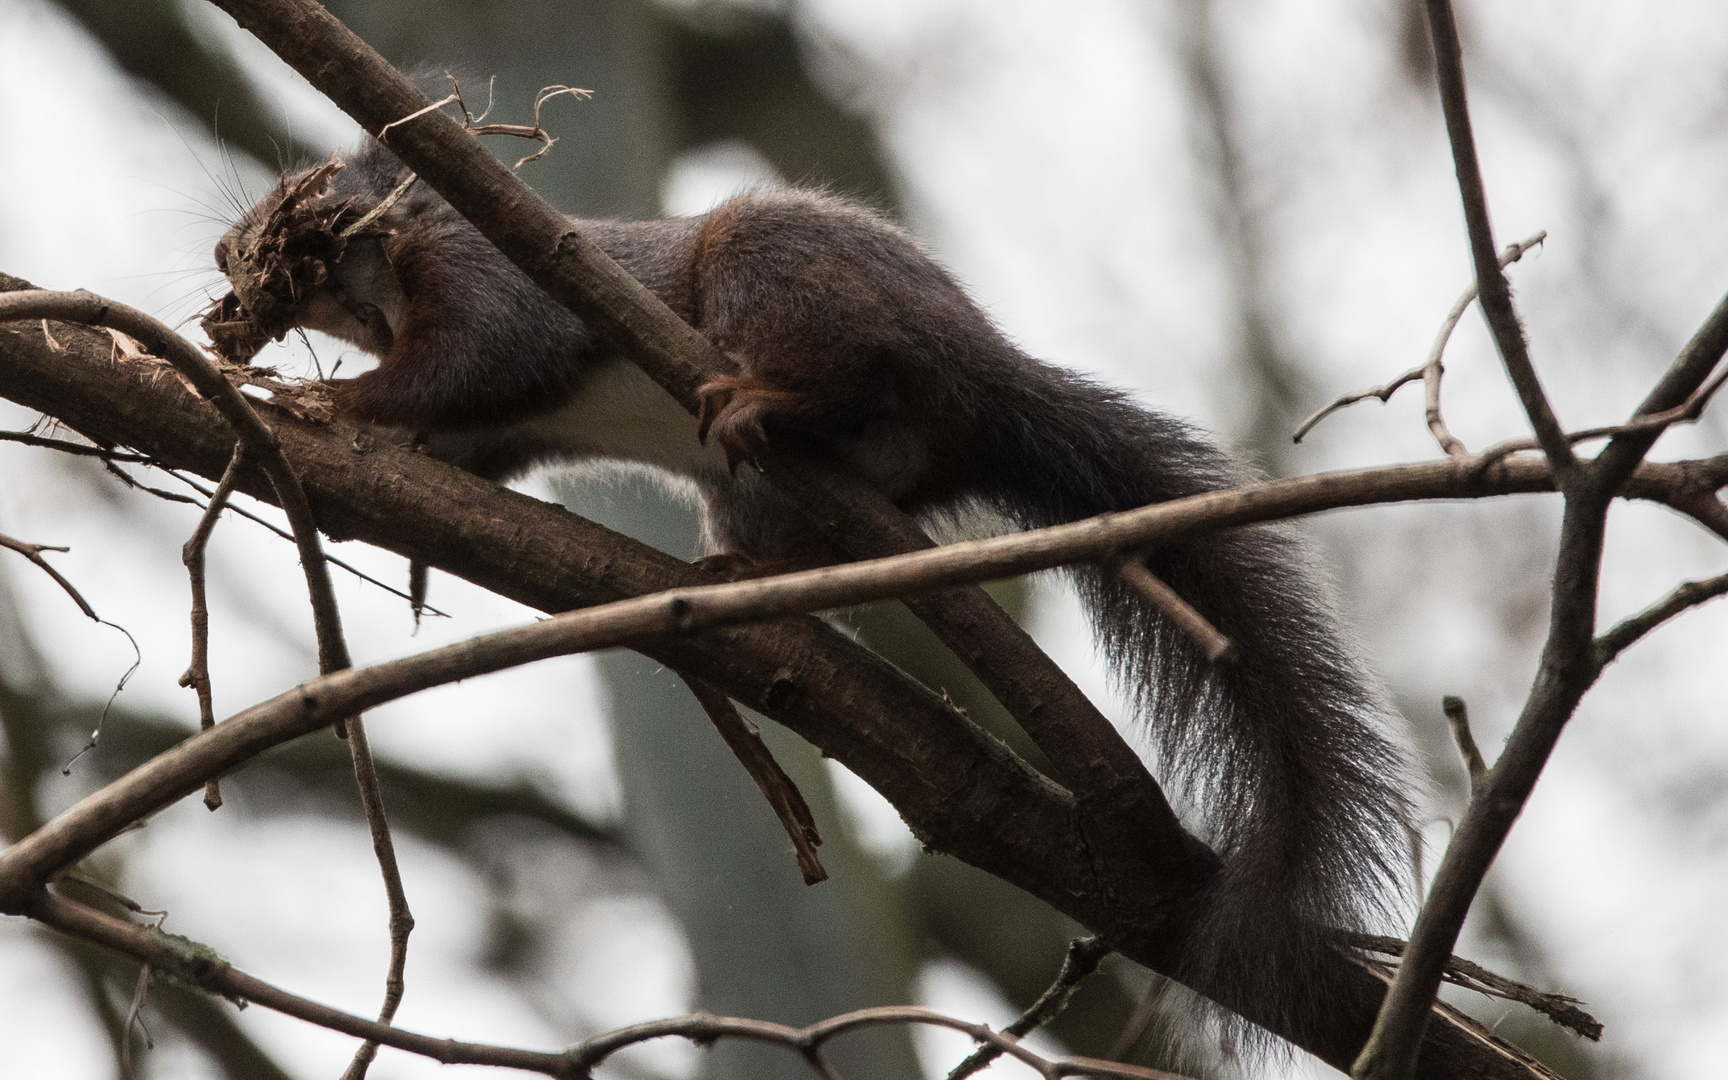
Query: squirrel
[[854, 342]]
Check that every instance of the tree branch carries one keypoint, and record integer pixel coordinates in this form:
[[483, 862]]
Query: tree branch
[[200, 966], [1495, 293]]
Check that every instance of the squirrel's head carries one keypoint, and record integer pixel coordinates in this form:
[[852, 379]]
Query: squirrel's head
[[306, 255]]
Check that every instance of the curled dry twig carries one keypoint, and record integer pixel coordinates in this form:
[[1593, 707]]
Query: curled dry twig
[[1431, 370], [33, 552]]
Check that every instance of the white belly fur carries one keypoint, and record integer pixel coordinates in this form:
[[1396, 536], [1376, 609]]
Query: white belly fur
[[622, 414]]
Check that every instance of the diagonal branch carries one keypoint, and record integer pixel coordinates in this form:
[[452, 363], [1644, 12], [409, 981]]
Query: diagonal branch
[[1127, 809], [782, 794], [1496, 295]]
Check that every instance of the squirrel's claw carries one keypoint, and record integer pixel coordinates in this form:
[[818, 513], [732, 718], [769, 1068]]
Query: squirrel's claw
[[732, 408]]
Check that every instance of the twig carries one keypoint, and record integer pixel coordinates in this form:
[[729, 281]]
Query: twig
[[1693, 593], [782, 794], [535, 132], [200, 966], [1384, 393], [76, 449], [401, 919], [33, 552], [192, 554], [1212, 643], [279, 531], [1458, 716], [1559, 1008], [1084, 956], [1495, 294], [1431, 370]]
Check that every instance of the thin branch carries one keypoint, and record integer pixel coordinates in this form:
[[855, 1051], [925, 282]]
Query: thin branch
[[199, 965], [1431, 370], [401, 919], [1559, 1008], [782, 794], [1496, 295], [1458, 716], [1384, 393], [135, 1018], [1693, 593], [283, 533], [64, 446], [192, 554], [33, 552], [1684, 383], [1212, 643], [1084, 956]]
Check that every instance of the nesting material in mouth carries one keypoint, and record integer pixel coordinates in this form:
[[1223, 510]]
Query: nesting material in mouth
[[273, 271]]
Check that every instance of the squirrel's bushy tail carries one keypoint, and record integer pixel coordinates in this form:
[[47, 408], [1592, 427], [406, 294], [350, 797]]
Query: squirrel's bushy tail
[[1281, 751]]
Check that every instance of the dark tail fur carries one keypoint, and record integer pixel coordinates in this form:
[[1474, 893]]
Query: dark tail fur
[[1282, 751]]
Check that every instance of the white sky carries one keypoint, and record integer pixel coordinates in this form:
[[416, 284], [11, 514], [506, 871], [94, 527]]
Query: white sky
[[1047, 156]]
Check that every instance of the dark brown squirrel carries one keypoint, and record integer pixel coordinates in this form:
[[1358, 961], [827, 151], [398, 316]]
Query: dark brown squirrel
[[854, 342]]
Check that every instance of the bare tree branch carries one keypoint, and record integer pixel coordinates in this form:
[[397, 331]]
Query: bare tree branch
[[200, 966], [1084, 956], [1496, 295], [1610, 645], [1431, 370], [192, 554], [782, 794]]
